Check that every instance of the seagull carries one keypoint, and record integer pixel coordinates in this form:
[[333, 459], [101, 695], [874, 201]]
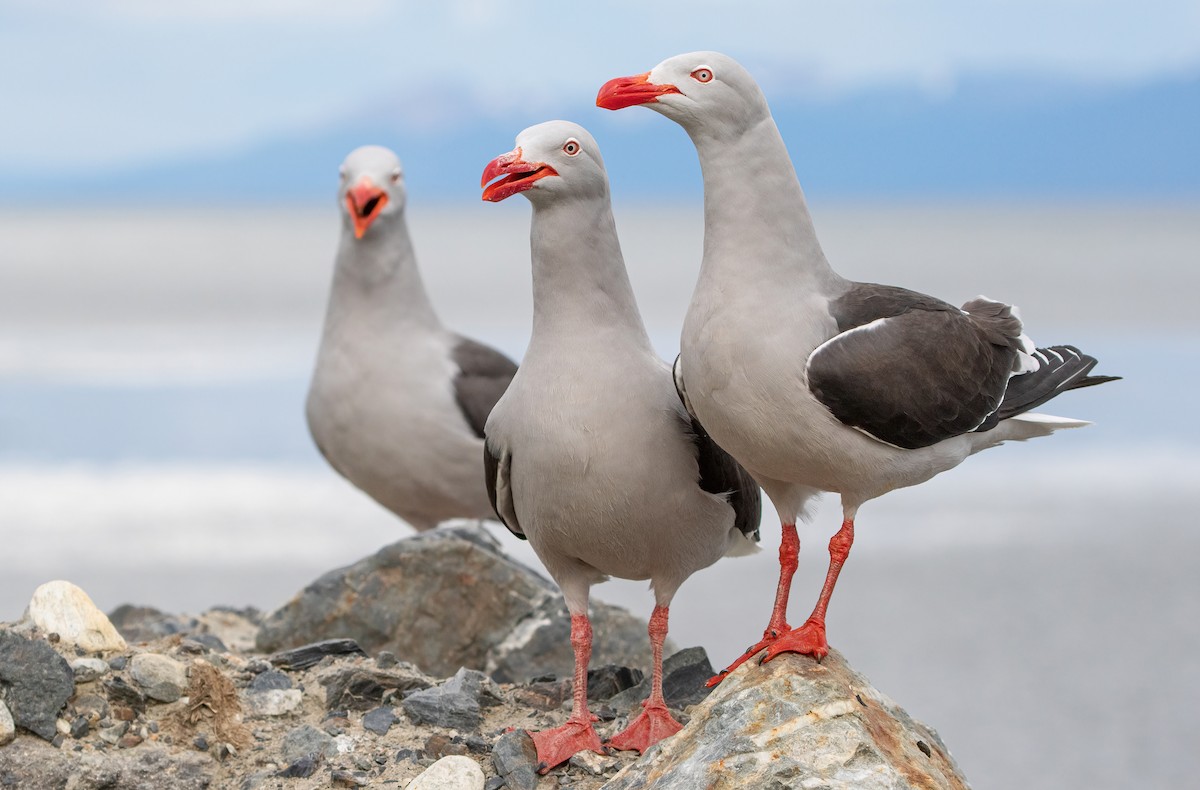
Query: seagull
[[590, 454], [813, 382], [398, 402]]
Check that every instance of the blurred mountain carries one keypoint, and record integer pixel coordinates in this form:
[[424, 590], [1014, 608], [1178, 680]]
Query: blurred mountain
[[986, 138]]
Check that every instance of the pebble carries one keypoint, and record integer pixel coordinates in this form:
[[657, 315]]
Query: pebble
[[610, 679], [80, 727], [386, 659], [128, 741], [308, 655], [113, 733], [438, 745], [93, 706], [62, 608], [88, 669], [347, 779], [450, 773], [455, 704], [303, 768], [594, 764], [307, 740], [269, 680], [273, 702], [162, 678], [8, 728], [379, 720], [118, 690], [515, 759], [37, 682]]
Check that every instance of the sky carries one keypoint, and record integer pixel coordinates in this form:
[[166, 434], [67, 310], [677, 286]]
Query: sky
[[97, 89]]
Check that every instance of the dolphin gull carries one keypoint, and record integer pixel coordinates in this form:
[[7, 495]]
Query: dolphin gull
[[813, 382], [397, 402], [590, 455]]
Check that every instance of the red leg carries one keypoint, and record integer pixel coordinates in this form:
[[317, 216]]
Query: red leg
[[654, 722], [789, 551], [557, 745], [809, 638]]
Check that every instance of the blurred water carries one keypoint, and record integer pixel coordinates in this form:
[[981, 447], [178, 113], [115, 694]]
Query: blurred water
[[1038, 605]]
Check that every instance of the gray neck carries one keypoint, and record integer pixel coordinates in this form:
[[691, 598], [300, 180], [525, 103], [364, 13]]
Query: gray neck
[[580, 286], [376, 278], [756, 220]]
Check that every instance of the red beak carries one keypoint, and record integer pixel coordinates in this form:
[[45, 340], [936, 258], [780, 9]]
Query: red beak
[[624, 92], [365, 201], [519, 175]]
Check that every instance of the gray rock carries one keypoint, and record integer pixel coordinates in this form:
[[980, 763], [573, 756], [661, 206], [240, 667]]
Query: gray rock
[[456, 704], [80, 727], [8, 727], [35, 681], [161, 677], [273, 702], [609, 680], [363, 688], [515, 758], [305, 656], [120, 691], [379, 720], [303, 768], [271, 679], [145, 623], [112, 733], [684, 676], [88, 669], [448, 599], [307, 741], [796, 723], [93, 706]]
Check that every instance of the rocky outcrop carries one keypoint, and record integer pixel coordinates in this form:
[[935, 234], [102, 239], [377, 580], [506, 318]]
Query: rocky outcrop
[[797, 723], [449, 599]]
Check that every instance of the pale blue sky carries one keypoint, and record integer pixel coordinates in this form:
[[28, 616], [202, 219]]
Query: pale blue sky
[[104, 84]]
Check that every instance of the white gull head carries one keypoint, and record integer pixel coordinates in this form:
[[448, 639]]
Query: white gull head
[[552, 161], [371, 188]]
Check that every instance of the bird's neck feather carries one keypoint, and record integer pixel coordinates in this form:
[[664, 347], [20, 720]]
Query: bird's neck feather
[[756, 221], [580, 284], [378, 274]]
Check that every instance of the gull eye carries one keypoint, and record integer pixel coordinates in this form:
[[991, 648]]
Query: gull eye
[[396, 176], [702, 74], [571, 147]]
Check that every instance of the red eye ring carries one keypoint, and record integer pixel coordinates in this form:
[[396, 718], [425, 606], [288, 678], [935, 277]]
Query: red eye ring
[[702, 74], [571, 147]]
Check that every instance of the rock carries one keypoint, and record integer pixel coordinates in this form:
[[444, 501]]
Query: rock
[[307, 741], [273, 702], [88, 669], [33, 764], [594, 764], [305, 656], [343, 778], [302, 768], [448, 599], [684, 675], [113, 733], [8, 727], [450, 773], [796, 723], [121, 692], [515, 758], [269, 680], [362, 688], [438, 746], [145, 623], [455, 704], [379, 720], [93, 706], [161, 677], [59, 607], [607, 681], [80, 727], [35, 682]]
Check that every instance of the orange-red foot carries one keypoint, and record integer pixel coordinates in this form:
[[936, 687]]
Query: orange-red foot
[[808, 639], [652, 725], [557, 745], [770, 636]]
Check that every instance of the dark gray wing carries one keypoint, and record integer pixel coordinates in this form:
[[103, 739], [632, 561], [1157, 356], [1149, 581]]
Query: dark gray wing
[[1060, 368], [719, 473], [497, 470], [912, 370], [483, 376]]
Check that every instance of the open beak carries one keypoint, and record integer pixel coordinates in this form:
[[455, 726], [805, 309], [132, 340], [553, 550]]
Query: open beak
[[365, 201], [518, 175], [616, 94]]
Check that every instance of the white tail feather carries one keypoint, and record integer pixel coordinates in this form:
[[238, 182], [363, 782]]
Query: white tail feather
[[741, 546]]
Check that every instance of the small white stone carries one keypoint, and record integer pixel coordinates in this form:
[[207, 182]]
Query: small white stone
[[345, 744], [273, 702], [454, 772], [593, 763], [88, 669], [59, 607], [8, 728], [162, 678]]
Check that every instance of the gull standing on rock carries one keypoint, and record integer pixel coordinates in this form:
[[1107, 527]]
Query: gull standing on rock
[[590, 454], [814, 382], [398, 402]]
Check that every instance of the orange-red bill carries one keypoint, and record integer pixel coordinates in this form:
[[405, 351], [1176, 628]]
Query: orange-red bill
[[622, 92], [518, 175], [364, 201]]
